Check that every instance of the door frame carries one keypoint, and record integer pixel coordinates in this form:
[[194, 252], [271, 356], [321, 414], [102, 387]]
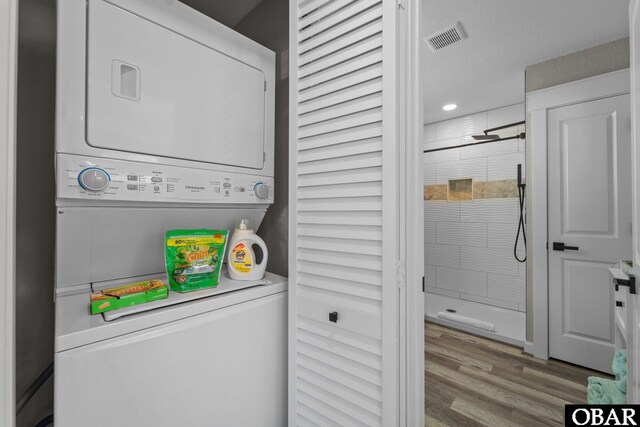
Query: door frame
[[633, 317], [411, 210], [8, 84], [537, 104]]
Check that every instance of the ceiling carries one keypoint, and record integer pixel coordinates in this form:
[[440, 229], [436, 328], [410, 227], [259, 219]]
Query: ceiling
[[486, 70], [227, 12]]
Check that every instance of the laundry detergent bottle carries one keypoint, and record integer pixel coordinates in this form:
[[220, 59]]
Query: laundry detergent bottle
[[242, 263]]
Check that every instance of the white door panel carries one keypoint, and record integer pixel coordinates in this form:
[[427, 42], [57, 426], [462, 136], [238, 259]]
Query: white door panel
[[586, 174], [589, 210], [582, 283], [142, 95]]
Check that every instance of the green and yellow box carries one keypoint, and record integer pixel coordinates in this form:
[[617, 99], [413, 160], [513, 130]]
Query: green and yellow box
[[128, 295]]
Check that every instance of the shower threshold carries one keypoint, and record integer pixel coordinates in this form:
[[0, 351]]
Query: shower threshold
[[509, 325]]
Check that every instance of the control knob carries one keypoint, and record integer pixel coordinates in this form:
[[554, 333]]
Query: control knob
[[261, 190], [93, 179]]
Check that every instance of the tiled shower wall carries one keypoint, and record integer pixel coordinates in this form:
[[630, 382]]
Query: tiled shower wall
[[469, 244]]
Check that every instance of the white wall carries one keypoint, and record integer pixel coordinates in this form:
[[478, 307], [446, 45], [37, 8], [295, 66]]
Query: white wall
[[469, 244], [268, 24], [594, 61]]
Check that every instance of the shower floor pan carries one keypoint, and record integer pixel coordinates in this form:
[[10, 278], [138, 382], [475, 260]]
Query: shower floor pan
[[509, 324]]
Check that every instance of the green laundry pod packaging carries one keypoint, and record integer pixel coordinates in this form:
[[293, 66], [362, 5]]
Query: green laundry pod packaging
[[194, 258]]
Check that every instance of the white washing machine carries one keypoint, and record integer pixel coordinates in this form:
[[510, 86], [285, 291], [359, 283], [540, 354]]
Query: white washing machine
[[164, 121]]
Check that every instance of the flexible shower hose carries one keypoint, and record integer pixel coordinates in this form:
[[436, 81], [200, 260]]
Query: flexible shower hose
[[521, 228]]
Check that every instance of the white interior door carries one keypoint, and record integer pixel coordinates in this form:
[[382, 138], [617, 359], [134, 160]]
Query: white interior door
[[589, 209], [344, 214], [633, 301]]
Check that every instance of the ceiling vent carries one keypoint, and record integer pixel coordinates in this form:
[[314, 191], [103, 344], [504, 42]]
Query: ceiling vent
[[446, 37]]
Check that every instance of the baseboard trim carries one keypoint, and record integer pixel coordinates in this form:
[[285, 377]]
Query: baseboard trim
[[528, 348]]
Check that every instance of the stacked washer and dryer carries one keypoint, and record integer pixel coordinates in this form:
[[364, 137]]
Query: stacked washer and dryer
[[165, 120]]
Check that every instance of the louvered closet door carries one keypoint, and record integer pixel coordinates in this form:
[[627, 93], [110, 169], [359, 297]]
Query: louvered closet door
[[343, 214]]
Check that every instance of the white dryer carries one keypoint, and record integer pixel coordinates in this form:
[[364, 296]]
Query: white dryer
[[164, 121]]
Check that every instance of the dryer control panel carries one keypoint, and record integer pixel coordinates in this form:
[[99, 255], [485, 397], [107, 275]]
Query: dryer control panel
[[91, 178]]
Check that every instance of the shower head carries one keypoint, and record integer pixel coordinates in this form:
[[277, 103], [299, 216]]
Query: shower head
[[501, 133], [485, 137]]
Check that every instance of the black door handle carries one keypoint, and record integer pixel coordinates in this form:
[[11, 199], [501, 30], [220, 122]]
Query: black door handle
[[560, 246], [631, 283]]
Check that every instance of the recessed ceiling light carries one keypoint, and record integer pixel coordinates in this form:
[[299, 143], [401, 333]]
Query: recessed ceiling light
[[449, 107]]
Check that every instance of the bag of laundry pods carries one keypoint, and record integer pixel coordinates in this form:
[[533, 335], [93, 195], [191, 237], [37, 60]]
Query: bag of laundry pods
[[194, 258]]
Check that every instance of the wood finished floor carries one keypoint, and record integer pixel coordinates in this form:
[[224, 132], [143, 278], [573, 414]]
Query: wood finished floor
[[474, 381]]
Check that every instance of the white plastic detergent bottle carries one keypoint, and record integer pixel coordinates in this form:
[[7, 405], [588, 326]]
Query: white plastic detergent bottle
[[241, 262]]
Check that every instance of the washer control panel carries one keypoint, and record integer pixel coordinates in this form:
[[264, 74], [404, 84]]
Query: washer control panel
[[81, 177]]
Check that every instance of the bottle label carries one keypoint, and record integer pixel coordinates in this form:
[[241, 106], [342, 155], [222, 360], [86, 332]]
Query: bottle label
[[241, 258]]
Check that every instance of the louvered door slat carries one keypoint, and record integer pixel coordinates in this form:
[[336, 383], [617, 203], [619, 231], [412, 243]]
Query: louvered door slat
[[333, 204], [354, 54], [339, 30], [340, 218], [342, 151], [362, 247], [305, 422], [338, 285], [358, 76], [340, 137], [359, 161], [336, 417], [306, 7], [323, 13], [343, 350], [342, 190], [346, 122], [345, 379], [341, 391], [356, 175], [333, 296], [366, 418], [344, 109], [350, 93], [369, 262], [314, 28], [341, 232], [309, 418], [330, 272], [341, 336], [344, 364], [339, 50]]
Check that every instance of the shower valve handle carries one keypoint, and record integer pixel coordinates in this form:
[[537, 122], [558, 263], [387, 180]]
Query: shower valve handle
[[559, 246]]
